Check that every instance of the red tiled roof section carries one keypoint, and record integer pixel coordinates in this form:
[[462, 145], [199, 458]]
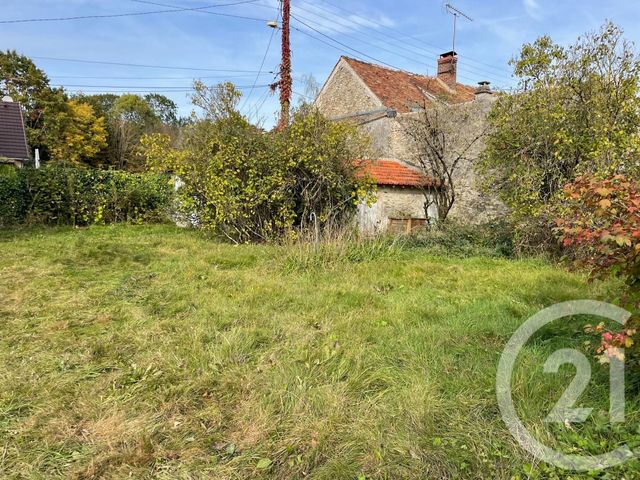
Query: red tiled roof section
[[393, 173], [400, 90]]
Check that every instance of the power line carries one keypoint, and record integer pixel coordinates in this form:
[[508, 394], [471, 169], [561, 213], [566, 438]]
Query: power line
[[158, 78], [359, 52], [143, 90], [343, 50], [413, 52], [303, 95], [368, 22], [350, 36], [129, 14], [181, 87], [339, 43], [137, 65], [258, 107], [147, 2], [264, 59]]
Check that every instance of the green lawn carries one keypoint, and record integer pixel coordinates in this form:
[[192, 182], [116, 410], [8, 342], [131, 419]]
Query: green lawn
[[150, 352]]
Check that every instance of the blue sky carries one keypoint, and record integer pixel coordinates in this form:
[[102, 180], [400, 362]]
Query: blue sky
[[407, 34]]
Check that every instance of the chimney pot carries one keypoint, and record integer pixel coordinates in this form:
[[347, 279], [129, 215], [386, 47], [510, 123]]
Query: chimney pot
[[447, 68], [484, 93], [483, 87]]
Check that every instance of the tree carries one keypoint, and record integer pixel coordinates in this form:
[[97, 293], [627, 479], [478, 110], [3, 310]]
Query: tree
[[129, 119], [322, 169], [576, 111], [22, 80], [62, 130], [216, 102], [439, 146], [311, 89], [28, 85], [164, 108], [102, 103], [80, 136]]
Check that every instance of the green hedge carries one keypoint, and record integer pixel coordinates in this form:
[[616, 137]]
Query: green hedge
[[64, 195]]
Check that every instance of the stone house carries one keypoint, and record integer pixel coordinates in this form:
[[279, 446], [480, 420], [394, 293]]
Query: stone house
[[13, 139], [380, 99]]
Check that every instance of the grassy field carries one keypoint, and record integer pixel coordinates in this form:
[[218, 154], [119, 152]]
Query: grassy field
[[149, 352]]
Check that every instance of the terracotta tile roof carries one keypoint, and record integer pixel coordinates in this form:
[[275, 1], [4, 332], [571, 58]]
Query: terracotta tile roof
[[394, 173], [400, 90], [13, 142]]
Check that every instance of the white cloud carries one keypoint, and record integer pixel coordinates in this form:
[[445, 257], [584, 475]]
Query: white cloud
[[532, 8]]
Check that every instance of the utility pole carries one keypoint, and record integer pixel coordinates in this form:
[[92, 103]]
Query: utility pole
[[285, 67], [456, 13]]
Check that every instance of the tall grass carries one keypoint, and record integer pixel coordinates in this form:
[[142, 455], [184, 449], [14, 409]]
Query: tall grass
[[336, 247]]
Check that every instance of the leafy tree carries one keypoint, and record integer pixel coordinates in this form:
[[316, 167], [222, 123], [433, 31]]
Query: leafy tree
[[164, 108], [322, 173], [576, 111], [129, 119], [81, 135], [216, 102], [22, 80], [42, 106], [134, 109], [62, 130], [102, 103], [233, 180]]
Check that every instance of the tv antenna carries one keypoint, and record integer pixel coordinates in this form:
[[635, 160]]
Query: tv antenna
[[456, 13]]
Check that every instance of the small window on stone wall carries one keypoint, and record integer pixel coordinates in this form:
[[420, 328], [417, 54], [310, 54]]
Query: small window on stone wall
[[406, 225]]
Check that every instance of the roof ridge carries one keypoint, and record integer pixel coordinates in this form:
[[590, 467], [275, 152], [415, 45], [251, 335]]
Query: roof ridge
[[399, 70], [383, 67]]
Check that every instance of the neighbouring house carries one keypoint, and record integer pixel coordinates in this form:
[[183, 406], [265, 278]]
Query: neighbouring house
[[380, 99], [13, 139]]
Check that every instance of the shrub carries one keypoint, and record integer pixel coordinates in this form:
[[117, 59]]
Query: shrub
[[452, 238], [66, 195], [12, 196], [599, 226], [248, 185]]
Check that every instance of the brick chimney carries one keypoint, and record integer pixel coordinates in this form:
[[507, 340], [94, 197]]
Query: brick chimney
[[447, 68]]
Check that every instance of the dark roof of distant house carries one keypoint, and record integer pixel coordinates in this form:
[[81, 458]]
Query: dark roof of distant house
[[403, 90], [13, 140], [395, 174]]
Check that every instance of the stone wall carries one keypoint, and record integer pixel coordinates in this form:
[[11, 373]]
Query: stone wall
[[393, 202], [472, 205], [345, 94]]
